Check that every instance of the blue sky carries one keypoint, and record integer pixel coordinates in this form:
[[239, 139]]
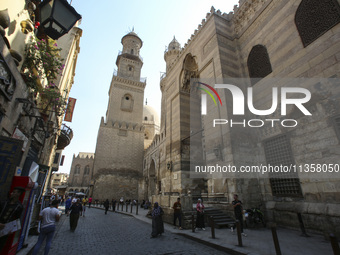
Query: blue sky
[[104, 23]]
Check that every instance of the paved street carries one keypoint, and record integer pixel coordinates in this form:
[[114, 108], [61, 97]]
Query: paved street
[[116, 233]]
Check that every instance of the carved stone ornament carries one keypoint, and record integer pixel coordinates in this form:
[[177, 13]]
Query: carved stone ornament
[[7, 81], [190, 71]]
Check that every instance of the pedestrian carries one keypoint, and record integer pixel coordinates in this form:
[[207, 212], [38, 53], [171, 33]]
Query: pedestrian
[[157, 221], [10, 210], [106, 205], [114, 202], [68, 205], [49, 216], [238, 211], [84, 202], [74, 199], [200, 215], [90, 202], [177, 213], [75, 209]]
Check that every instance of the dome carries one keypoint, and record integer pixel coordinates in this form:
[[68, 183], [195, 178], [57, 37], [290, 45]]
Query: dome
[[150, 114], [174, 45], [132, 33]]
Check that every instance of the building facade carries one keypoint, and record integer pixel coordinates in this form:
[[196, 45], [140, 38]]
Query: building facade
[[261, 45], [262, 39], [31, 129], [81, 173]]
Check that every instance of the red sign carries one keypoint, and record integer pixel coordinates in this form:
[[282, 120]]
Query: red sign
[[69, 109]]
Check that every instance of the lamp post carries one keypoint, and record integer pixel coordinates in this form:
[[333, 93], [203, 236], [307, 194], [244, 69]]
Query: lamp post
[[57, 17]]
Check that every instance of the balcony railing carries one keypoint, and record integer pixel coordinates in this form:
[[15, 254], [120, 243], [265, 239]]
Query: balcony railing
[[65, 137], [120, 53], [115, 73]]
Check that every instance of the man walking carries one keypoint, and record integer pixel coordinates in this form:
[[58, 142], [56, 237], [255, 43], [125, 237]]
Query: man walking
[[48, 216], [177, 213], [237, 205], [75, 209], [68, 205], [90, 202], [106, 205], [114, 202], [84, 201]]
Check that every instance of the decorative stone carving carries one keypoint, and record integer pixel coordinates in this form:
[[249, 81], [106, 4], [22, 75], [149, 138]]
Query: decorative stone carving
[[190, 70], [7, 81]]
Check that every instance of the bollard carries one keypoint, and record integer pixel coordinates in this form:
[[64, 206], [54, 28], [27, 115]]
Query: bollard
[[193, 222], [137, 209], [239, 237], [276, 240], [212, 226], [131, 208], [302, 226], [335, 244]]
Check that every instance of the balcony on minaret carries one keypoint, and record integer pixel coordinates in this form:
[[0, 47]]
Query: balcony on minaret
[[123, 75], [65, 137]]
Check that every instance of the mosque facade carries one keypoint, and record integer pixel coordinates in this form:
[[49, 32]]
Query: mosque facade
[[138, 157]]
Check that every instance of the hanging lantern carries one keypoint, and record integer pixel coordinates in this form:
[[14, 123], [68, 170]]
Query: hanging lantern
[[57, 17]]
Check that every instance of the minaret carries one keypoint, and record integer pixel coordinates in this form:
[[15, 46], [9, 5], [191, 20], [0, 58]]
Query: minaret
[[129, 107], [129, 62], [120, 143], [171, 53]]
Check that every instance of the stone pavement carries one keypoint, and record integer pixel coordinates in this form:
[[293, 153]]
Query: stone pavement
[[258, 241], [116, 233]]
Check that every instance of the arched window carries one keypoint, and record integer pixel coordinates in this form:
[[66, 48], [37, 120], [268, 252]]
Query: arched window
[[258, 63], [313, 18], [87, 170], [77, 169], [127, 103], [132, 51]]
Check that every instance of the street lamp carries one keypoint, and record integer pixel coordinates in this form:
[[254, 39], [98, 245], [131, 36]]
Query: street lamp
[[57, 17]]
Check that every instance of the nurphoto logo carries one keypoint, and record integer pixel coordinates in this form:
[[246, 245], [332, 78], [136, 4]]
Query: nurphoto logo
[[295, 96]]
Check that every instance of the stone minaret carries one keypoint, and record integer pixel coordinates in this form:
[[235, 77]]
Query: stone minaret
[[120, 142]]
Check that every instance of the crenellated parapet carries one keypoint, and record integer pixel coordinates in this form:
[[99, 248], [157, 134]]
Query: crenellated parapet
[[246, 13], [157, 140], [122, 125], [179, 53], [84, 155]]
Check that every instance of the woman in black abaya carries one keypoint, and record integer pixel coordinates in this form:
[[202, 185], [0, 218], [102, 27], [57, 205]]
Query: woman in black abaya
[[157, 221]]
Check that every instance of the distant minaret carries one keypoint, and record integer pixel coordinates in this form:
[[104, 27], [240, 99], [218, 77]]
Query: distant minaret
[[171, 53]]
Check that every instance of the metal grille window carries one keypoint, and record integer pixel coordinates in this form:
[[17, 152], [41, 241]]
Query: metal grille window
[[259, 65], [313, 18], [278, 152]]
